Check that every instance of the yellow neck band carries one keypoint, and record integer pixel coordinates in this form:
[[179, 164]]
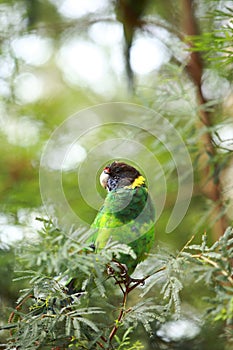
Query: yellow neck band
[[139, 181]]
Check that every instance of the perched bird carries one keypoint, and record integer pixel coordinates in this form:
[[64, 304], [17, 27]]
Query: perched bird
[[127, 215]]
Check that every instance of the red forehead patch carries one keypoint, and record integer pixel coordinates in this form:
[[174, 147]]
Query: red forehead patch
[[107, 170]]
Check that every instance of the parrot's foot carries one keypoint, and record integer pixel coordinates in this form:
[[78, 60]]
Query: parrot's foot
[[117, 269], [120, 273], [138, 281]]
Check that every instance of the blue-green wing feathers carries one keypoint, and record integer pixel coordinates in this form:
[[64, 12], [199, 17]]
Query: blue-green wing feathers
[[127, 216]]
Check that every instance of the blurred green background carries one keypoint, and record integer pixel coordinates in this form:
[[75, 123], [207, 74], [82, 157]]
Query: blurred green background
[[58, 57]]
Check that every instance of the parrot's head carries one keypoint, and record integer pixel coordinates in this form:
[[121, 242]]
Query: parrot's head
[[119, 175]]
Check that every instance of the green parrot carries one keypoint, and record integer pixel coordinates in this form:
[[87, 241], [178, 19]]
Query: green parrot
[[127, 215]]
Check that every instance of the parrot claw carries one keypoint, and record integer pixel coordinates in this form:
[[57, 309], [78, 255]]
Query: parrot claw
[[132, 283], [140, 281], [118, 269], [120, 273]]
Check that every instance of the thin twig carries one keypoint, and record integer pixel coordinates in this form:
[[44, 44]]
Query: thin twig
[[185, 246], [127, 282], [98, 343], [120, 317]]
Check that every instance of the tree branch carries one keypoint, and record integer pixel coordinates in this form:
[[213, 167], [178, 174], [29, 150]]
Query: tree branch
[[210, 185]]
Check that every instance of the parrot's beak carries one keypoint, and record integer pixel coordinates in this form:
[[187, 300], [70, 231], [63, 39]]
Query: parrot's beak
[[104, 179]]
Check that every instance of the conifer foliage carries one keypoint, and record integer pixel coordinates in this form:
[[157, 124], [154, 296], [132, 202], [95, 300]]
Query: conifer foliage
[[109, 306]]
